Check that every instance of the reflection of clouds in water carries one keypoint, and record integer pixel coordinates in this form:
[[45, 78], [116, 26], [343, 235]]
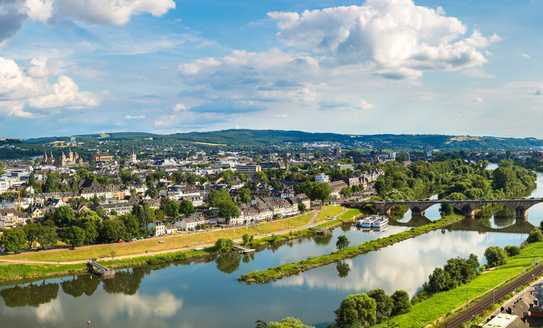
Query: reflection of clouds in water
[[402, 266], [51, 312], [164, 305], [110, 306]]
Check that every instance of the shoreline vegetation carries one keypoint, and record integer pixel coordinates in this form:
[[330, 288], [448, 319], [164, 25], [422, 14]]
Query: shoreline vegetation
[[294, 268], [436, 309], [14, 272]]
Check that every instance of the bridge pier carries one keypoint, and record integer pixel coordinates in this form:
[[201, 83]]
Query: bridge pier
[[521, 213]]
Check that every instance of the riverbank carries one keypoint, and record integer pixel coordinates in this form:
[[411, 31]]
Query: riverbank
[[436, 309], [295, 268], [314, 222]]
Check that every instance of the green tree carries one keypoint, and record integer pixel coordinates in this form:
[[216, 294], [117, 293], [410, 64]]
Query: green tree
[[384, 304], [343, 269], [288, 322], [401, 302], [495, 256], [186, 207], [169, 207], [245, 195], [342, 242], [247, 239], [224, 246], [321, 191], [357, 310], [112, 231], [14, 240], [75, 236], [512, 250], [223, 202], [535, 236]]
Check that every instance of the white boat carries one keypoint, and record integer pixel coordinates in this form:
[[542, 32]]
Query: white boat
[[374, 222]]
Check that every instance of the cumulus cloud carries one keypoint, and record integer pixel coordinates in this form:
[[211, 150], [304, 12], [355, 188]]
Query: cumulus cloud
[[24, 91], [398, 38], [112, 12]]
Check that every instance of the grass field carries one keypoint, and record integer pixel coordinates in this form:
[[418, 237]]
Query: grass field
[[442, 304], [134, 253], [178, 241], [289, 269]]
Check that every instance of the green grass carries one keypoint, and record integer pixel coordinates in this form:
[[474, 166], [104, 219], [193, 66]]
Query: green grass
[[294, 268], [442, 304], [17, 272]]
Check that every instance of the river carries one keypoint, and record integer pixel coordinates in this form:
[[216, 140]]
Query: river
[[208, 294]]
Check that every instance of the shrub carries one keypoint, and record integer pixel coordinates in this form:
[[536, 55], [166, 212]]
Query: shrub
[[358, 310], [534, 236], [512, 250], [400, 301], [495, 256]]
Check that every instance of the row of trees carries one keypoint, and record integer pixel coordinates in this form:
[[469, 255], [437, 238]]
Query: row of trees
[[456, 272], [367, 309]]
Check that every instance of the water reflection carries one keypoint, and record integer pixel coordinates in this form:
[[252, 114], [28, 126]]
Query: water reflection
[[208, 295], [402, 266]]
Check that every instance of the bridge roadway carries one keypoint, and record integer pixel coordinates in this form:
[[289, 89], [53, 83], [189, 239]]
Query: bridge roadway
[[466, 207]]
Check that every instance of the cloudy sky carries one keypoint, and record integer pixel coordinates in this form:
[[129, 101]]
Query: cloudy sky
[[374, 66]]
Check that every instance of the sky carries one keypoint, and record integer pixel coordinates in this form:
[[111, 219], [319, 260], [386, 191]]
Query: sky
[[358, 67]]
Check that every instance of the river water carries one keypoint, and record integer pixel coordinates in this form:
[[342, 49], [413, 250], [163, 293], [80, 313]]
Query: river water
[[208, 294]]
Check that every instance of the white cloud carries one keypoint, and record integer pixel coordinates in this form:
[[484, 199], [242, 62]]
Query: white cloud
[[21, 91], [365, 105], [397, 37], [180, 107], [526, 56], [114, 12], [478, 100], [134, 117]]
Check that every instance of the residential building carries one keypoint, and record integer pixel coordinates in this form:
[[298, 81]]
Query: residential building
[[322, 178], [10, 218]]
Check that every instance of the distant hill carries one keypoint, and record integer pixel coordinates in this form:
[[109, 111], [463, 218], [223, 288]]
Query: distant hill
[[256, 138]]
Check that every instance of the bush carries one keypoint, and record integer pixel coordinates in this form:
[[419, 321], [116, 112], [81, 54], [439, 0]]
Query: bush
[[400, 301], [512, 250], [534, 236], [384, 304], [358, 310], [224, 246], [495, 256]]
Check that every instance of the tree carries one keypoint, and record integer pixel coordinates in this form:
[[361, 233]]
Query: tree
[[132, 226], [321, 191], [14, 239], [512, 250], [358, 310], [401, 303], [288, 322], [224, 245], [169, 207], [75, 236], [245, 195], [247, 239], [343, 269], [223, 202], [342, 242], [112, 231], [535, 236], [47, 236], [301, 207], [438, 281], [495, 256], [186, 207], [383, 302]]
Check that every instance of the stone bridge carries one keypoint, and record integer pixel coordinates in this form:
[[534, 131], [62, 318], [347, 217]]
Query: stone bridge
[[466, 207]]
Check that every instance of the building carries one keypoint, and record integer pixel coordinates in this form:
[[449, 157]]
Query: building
[[249, 169], [10, 218], [120, 208], [65, 160], [191, 223], [133, 157], [337, 187], [102, 158], [504, 320], [322, 178], [157, 229]]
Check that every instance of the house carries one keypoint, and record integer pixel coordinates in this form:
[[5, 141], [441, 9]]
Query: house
[[249, 169], [303, 199], [281, 207], [322, 178], [157, 229], [504, 320], [121, 208], [191, 223], [337, 187], [10, 218], [99, 191]]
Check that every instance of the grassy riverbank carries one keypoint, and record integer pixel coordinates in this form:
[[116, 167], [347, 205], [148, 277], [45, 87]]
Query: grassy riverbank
[[441, 305], [18, 272], [290, 269]]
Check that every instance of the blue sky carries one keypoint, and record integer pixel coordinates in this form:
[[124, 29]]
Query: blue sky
[[361, 67]]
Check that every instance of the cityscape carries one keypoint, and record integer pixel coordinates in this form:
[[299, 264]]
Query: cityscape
[[278, 164]]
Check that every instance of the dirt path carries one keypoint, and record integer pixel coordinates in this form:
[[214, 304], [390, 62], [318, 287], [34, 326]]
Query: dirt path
[[312, 223]]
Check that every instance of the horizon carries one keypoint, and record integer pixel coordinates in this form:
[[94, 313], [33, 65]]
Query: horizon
[[164, 66], [271, 130]]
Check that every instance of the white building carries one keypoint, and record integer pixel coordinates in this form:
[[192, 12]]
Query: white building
[[10, 218], [322, 178]]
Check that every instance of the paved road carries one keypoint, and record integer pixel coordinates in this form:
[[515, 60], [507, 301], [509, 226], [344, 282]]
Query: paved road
[[491, 298]]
